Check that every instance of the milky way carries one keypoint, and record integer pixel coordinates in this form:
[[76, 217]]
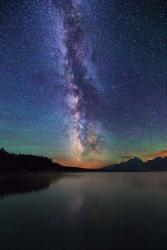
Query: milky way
[[84, 82], [82, 97]]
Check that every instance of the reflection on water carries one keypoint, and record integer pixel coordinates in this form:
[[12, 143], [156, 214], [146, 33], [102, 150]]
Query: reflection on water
[[84, 211], [27, 183]]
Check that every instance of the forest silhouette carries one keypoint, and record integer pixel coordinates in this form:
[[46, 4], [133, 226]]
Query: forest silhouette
[[17, 164]]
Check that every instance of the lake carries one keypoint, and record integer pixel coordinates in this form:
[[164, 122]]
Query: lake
[[80, 211]]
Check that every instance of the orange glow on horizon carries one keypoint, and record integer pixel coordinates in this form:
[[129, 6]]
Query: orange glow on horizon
[[88, 164], [161, 154]]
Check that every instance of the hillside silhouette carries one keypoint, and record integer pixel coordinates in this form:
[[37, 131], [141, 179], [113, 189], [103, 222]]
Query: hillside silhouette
[[13, 163]]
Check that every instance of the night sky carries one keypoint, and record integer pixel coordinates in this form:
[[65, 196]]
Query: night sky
[[84, 82]]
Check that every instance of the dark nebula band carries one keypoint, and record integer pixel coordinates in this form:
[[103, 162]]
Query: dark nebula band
[[81, 92]]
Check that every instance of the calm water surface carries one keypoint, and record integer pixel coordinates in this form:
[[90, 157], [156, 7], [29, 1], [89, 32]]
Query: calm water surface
[[84, 211]]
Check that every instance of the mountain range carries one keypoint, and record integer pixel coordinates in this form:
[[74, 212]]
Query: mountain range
[[12, 163]]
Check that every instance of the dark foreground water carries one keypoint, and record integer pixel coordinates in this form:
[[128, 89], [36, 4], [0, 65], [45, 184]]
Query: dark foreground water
[[84, 211]]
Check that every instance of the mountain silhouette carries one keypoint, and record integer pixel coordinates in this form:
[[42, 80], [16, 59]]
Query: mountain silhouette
[[12, 163], [136, 165]]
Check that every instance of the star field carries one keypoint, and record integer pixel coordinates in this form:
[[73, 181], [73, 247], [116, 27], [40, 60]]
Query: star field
[[83, 82]]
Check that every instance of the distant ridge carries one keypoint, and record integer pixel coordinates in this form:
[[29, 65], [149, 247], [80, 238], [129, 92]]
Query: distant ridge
[[136, 165], [13, 163]]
